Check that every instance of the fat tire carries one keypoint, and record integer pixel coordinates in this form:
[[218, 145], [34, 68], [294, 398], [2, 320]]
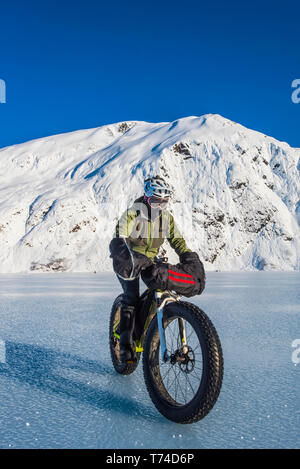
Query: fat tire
[[121, 368], [212, 376]]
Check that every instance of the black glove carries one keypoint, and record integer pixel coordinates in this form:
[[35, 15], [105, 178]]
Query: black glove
[[191, 263], [156, 276], [188, 257], [126, 262], [141, 261]]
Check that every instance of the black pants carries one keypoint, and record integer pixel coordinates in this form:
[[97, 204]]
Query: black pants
[[131, 289]]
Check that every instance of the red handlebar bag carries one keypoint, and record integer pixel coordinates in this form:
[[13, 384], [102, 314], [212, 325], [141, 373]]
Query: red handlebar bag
[[185, 279]]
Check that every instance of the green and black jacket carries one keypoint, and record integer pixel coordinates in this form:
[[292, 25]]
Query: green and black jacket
[[145, 235]]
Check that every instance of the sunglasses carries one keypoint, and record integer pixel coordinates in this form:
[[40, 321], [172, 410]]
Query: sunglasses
[[157, 202]]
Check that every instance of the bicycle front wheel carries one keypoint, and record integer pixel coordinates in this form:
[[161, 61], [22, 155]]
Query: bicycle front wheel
[[185, 388]]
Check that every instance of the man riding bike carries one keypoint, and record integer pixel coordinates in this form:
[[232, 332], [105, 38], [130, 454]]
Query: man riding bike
[[139, 234]]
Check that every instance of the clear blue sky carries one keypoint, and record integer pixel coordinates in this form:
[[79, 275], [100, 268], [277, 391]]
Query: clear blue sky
[[76, 64]]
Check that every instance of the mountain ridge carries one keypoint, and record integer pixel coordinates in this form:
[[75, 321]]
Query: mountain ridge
[[239, 191]]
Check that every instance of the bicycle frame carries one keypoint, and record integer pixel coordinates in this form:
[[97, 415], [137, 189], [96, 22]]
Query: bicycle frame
[[162, 298]]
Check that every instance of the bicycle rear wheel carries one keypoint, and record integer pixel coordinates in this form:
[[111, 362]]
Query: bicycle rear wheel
[[185, 388]]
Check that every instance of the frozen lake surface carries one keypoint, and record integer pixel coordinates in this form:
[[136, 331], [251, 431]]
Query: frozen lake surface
[[58, 388]]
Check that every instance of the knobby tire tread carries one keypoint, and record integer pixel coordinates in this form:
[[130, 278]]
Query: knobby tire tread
[[198, 407]]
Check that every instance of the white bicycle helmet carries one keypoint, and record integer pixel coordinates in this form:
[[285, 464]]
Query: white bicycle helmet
[[158, 187]]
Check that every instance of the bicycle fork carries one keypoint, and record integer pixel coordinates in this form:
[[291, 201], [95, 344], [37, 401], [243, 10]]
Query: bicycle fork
[[162, 298]]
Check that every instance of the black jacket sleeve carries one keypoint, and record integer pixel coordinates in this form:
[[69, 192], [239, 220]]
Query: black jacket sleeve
[[127, 263]]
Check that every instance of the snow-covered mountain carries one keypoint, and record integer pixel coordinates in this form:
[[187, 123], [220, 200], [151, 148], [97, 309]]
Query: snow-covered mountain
[[236, 201]]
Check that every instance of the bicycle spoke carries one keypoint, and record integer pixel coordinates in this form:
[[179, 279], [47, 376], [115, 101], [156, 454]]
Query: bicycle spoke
[[170, 367], [178, 374], [187, 378], [184, 395], [199, 345]]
